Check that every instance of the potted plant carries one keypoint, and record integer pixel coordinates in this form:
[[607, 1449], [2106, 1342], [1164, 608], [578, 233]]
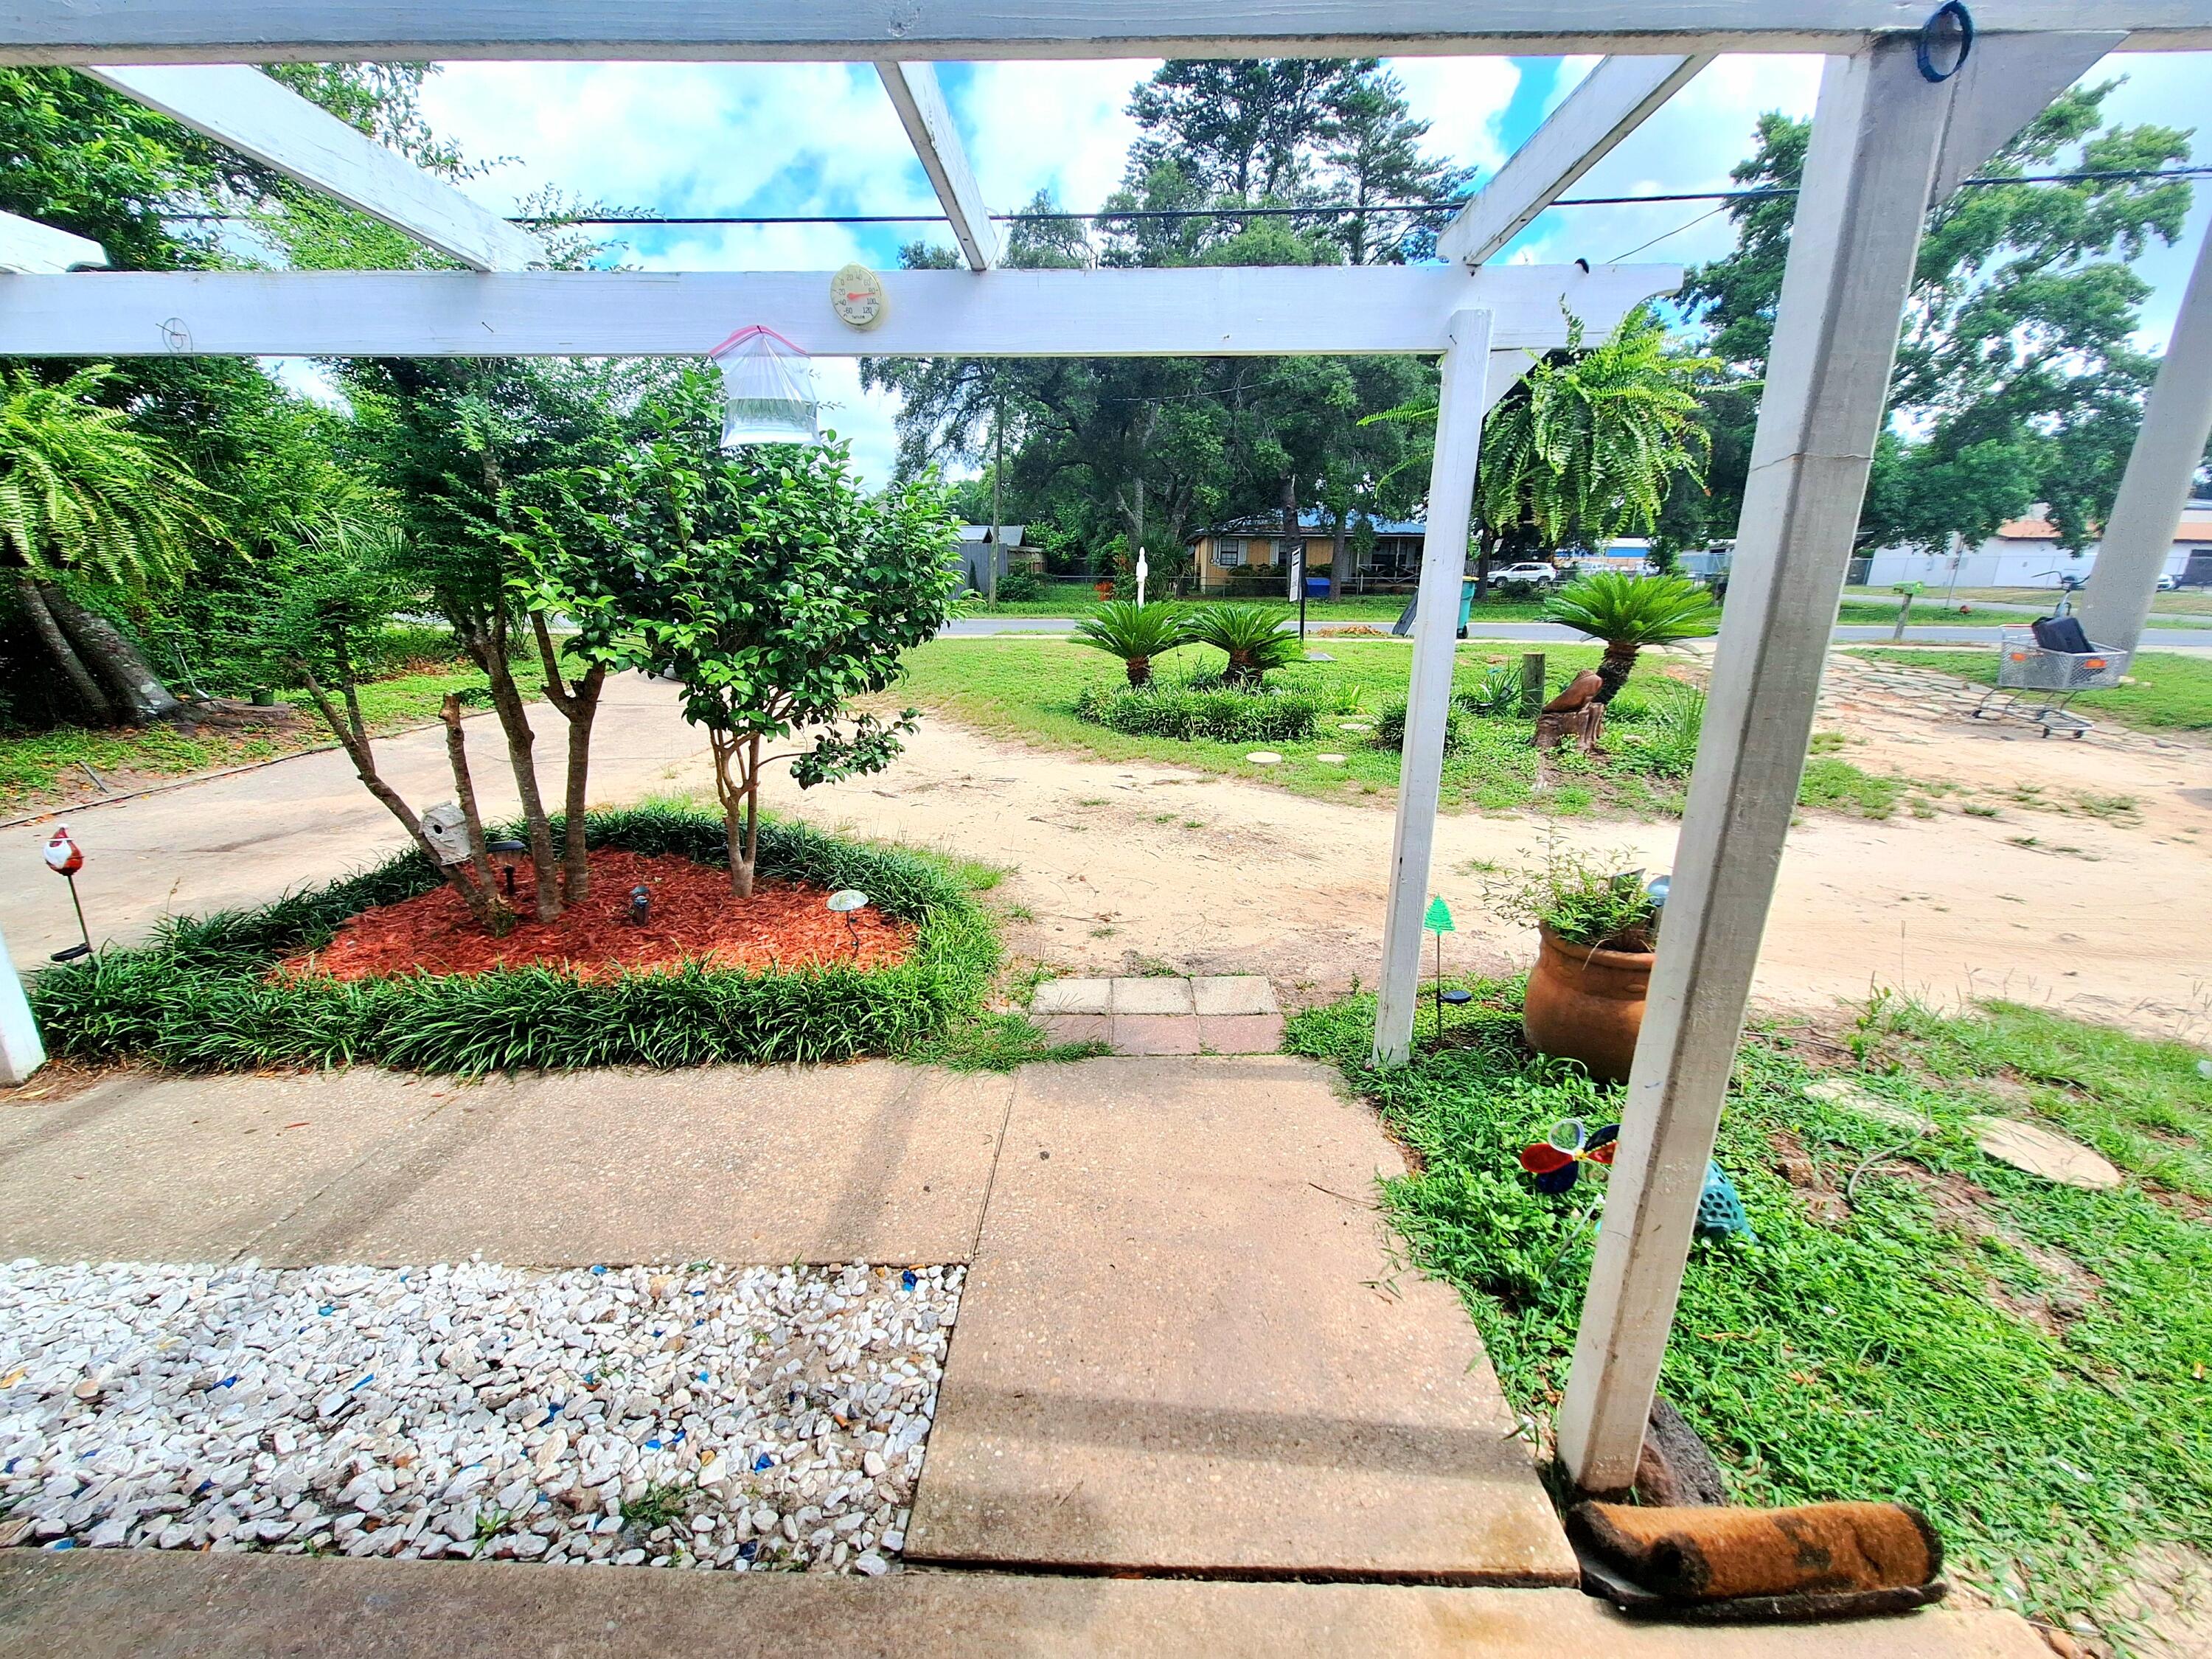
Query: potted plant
[[1598, 926]]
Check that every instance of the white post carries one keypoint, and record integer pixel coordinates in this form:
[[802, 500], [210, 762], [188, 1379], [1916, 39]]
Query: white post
[[2177, 421], [1428, 696], [20, 1051], [1876, 136]]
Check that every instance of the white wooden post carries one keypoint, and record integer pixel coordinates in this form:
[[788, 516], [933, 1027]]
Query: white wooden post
[[1460, 408], [1877, 134], [28, 246], [2177, 421], [20, 1051], [919, 98]]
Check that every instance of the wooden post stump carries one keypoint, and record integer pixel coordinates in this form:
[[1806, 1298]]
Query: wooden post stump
[[1582, 726]]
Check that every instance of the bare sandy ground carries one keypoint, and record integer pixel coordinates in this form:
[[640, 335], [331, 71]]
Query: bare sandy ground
[[1118, 867]]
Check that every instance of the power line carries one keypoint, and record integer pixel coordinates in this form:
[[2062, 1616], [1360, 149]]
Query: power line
[[1311, 210]]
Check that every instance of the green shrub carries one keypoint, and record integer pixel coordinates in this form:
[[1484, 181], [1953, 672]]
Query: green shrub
[[1665, 741], [1495, 696], [1021, 585], [200, 996], [1390, 728], [1190, 711]]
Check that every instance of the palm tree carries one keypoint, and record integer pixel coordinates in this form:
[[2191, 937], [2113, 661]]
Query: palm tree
[[1253, 637], [1629, 613], [1583, 449], [83, 491], [1135, 633]]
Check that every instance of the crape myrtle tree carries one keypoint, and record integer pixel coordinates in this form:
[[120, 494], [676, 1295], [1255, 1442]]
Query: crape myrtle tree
[[464, 447], [767, 582]]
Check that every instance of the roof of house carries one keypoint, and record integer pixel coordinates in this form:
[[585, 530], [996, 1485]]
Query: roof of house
[[1312, 521], [2196, 526], [1011, 536]]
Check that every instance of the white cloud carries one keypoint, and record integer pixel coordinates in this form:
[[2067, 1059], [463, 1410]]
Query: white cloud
[[1058, 126], [1464, 100]]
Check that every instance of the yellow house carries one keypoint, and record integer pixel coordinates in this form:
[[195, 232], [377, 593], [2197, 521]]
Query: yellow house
[[1254, 554]]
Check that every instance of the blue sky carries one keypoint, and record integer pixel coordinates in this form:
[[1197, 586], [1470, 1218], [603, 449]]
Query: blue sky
[[820, 138]]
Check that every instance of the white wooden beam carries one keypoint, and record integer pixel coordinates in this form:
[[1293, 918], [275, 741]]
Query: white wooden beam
[[1878, 131], [262, 30], [922, 110], [2169, 448], [247, 111], [2005, 82], [22, 1053], [1222, 311], [28, 246], [1613, 99], [1462, 401]]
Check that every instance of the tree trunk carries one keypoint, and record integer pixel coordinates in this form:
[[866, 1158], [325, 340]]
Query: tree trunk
[[465, 791], [583, 709], [1139, 669], [578, 705], [482, 904], [998, 474], [32, 594], [139, 694], [489, 648], [1612, 668]]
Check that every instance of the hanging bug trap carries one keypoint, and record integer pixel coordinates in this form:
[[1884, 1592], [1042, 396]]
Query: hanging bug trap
[[1555, 1161], [767, 390]]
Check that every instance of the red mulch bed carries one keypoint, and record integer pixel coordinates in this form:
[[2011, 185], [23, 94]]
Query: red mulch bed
[[693, 918]]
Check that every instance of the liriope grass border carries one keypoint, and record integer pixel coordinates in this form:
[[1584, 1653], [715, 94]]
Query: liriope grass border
[[199, 997]]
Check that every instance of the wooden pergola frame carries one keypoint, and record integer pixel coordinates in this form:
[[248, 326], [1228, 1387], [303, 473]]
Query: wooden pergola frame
[[1886, 141]]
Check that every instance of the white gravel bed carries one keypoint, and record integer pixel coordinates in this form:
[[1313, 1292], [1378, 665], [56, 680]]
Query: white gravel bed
[[686, 1416]]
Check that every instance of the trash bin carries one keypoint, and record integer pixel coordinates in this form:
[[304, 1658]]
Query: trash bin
[[1465, 603], [1316, 587]]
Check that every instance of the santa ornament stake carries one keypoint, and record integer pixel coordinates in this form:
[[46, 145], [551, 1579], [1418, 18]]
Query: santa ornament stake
[[65, 858]]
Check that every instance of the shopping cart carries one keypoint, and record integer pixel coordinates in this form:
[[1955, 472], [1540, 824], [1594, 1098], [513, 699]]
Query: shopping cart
[[2042, 668]]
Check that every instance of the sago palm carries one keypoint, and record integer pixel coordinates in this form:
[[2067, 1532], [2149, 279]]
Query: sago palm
[[1251, 636], [1135, 633], [1629, 613]]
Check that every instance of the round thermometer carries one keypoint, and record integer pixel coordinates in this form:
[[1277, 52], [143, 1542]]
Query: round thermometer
[[856, 295]]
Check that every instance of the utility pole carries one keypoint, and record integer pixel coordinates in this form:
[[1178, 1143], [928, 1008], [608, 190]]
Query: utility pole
[[998, 498]]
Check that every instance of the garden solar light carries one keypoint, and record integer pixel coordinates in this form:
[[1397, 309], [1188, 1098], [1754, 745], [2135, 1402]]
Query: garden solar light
[[507, 853], [846, 902], [65, 858], [640, 905]]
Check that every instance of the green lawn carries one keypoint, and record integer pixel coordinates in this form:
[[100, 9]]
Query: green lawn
[[2030, 1364], [2170, 692], [1025, 690], [44, 766], [1871, 605]]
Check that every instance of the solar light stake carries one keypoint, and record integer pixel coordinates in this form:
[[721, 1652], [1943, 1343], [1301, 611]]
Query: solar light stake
[[640, 905], [65, 858], [848, 901]]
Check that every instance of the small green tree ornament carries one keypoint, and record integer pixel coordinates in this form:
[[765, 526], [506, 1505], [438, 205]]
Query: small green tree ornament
[[1438, 920]]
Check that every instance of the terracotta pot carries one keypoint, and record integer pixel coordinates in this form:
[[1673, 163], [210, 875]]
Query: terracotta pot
[[1587, 1003]]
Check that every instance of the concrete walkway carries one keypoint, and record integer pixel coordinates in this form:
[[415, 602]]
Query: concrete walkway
[[150, 1605]]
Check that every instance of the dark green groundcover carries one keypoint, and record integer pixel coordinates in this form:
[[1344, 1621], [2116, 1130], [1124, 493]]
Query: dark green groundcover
[[199, 997]]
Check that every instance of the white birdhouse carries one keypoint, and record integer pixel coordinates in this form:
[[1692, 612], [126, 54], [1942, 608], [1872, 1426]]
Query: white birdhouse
[[767, 390]]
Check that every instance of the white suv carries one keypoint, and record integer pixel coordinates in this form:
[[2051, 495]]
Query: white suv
[[1542, 574]]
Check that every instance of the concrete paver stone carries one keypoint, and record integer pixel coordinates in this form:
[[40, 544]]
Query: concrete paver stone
[[1234, 993], [1240, 1034], [1152, 996], [2042, 1152], [1155, 1034], [1072, 996], [1187, 1344]]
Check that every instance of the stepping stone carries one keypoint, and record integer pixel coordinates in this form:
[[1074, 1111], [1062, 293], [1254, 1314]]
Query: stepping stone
[[1152, 996], [1234, 993], [1183, 1346], [1077, 1027], [1330, 760], [1841, 1092], [2042, 1152], [1155, 1034], [1072, 996], [1240, 1034], [1264, 757], [1354, 726]]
